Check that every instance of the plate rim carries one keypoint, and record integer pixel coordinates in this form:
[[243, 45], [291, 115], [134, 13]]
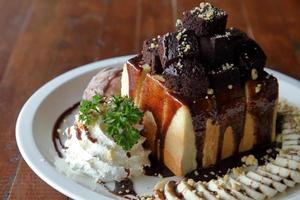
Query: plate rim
[[27, 145]]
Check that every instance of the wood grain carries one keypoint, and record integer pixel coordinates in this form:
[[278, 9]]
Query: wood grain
[[42, 39], [270, 32]]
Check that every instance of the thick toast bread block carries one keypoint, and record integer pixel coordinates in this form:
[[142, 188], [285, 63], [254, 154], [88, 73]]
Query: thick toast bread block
[[261, 112], [185, 134]]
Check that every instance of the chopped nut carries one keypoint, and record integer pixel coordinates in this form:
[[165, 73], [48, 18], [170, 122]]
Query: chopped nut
[[187, 47], [258, 88], [159, 78], [210, 91], [178, 36], [254, 74], [249, 160], [146, 68], [191, 182], [178, 23], [238, 171], [152, 46], [236, 186], [227, 66]]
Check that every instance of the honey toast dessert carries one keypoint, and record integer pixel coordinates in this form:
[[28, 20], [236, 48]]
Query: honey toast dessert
[[204, 92]]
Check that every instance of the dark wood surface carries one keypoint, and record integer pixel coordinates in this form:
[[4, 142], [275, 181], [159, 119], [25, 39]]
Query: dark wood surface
[[40, 39]]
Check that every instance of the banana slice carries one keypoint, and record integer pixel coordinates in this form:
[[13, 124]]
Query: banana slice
[[289, 131], [169, 191], [275, 177], [289, 156], [253, 193], [263, 172], [236, 189], [291, 147], [223, 194], [284, 172], [268, 191], [200, 187], [291, 136], [287, 163], [290, 142], [288, 125], [267, 181], [187, 191]]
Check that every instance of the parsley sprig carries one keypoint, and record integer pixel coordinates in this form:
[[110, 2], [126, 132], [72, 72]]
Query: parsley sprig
[[90, 110], [117, 115], [119, 121]]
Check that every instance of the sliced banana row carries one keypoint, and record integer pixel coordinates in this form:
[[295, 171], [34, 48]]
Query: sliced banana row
[[262, 182]]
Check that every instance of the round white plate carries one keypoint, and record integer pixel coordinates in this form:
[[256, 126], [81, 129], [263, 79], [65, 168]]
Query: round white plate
[[38, 115]]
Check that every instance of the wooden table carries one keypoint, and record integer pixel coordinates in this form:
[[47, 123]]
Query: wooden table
[[40, 39]]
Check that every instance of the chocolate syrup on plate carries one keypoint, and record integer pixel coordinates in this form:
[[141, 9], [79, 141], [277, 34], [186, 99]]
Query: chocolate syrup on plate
[[56, 134]]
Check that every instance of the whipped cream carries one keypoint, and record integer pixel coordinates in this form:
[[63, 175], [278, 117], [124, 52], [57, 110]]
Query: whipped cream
[[90, 152]]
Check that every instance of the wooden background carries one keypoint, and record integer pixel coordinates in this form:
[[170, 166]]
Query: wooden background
[[40, 39]]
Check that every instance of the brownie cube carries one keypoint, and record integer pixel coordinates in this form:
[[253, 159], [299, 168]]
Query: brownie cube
[[224, 78], [150, 55], [218, 49], [205, 20], [252, 59], [179, 44], [186, 77]]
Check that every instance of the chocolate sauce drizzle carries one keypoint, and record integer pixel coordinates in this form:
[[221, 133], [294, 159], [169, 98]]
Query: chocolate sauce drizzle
[[56, 139], [221, 168]]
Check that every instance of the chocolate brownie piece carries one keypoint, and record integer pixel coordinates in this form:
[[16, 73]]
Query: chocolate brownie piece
[[186, 77], [179, 44], [219, 49], [205, 20], [252, 59], [224, 78], [150, 55]]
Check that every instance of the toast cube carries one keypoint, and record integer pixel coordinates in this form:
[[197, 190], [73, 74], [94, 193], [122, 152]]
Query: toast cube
[[205, 20]]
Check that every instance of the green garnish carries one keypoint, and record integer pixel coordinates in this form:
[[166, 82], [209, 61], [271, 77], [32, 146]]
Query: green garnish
[[89, 110], [119, 121], [117, 116]]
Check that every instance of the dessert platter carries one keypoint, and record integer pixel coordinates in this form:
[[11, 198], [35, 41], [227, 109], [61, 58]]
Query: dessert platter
[[195, 115]]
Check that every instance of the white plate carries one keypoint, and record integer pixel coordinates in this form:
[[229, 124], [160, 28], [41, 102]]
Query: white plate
[[38, 115]]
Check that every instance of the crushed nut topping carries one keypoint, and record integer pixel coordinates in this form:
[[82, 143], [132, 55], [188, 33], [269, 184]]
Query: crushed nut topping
[[227, 66], [254, 74], [258, 88], [249, 160], [178, 23], [210, 91]]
